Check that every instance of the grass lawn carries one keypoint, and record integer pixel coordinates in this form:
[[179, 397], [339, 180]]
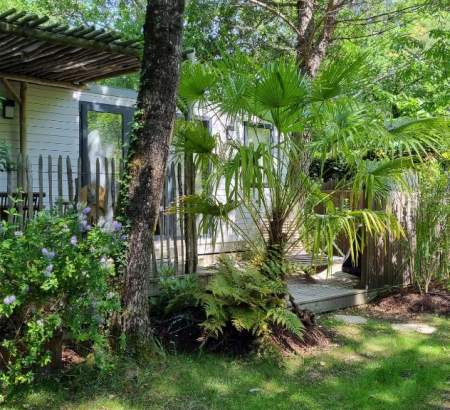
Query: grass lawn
[[372, 367]]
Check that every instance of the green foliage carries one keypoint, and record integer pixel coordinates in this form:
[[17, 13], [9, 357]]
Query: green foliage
[[196, 80], [269, 182], [5, 159], [176, 293], [194, 138], [246, 298], [430, 255], [55, 283]]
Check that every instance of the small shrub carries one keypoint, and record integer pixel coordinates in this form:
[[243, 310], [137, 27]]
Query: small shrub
[[176, 293], [248, 300], [55, 285], [431, 255]]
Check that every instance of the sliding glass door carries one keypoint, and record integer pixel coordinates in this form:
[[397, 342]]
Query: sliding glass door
[[104, 136]]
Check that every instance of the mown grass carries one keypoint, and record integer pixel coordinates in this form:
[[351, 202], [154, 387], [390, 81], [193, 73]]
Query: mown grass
[[372, 367]]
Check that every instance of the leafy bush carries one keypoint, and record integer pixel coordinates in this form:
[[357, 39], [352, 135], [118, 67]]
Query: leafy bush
[[55, 279], [5, 160], [176, 293], [248, 299], [431, 255]]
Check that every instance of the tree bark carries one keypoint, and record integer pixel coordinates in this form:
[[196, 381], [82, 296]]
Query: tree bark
[[147, 160]]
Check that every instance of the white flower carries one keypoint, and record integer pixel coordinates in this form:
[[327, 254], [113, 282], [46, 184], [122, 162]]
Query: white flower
[[48, 271], [10, 299]]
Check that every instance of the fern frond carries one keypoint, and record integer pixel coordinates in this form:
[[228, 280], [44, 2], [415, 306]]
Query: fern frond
[[286, 319]]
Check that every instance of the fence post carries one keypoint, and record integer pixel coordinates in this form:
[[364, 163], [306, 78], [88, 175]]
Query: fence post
[[181, 216], [60, 185], [174, 216], [113, 184], [97, 190], [9, 193], [19, 188], [69, 180], [50, 180], [107, 186], [78, 188], [41, 183], [29, 179]]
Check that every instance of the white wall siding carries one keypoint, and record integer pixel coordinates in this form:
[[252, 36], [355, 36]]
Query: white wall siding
[[53, 125], [53, 129]]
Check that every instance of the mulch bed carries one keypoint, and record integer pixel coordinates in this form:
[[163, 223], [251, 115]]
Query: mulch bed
[[408, 302], [182, 333], [314, 337]]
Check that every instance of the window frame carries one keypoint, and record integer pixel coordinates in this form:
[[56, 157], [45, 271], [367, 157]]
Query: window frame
[[127, 124]]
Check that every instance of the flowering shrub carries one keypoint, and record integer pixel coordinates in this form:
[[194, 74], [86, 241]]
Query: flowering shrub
[[55, 285]]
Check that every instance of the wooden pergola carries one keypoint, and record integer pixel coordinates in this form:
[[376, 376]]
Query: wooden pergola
[[32, 50]]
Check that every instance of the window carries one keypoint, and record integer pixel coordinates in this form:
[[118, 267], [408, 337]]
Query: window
[[257, 133]]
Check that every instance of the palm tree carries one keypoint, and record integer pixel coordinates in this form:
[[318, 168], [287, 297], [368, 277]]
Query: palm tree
[[267, 181]]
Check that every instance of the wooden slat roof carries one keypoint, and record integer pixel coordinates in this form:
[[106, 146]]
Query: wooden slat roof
[[32, 48]]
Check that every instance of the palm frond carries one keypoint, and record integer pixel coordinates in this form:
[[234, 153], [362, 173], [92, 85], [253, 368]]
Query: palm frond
[[376, 179], [193, 137], [337, 77], [419, 137], [195, 83]]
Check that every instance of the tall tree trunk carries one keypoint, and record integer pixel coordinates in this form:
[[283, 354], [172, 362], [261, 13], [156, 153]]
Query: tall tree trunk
[[148, 157], [310, 52]]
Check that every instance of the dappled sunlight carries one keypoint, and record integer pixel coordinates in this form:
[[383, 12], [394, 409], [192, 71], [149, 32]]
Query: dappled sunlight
[[347, 357], [351, 332]]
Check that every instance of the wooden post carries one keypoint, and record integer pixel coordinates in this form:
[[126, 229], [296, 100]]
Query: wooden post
[[78, 188], [41, 183], [97, 190], [50, 181], [69, 180], [174, 217], [23, 118], [113, 185], [29, 188], [19, 188], [190, 226], [181, 216], [9, 193], [166, 217], [107, 186], [60, 185]]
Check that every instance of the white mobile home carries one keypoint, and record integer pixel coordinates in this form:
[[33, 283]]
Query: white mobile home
[[62, 126]]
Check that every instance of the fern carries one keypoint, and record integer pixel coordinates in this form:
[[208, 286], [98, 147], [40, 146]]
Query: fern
[[286, 319], [248, 300]]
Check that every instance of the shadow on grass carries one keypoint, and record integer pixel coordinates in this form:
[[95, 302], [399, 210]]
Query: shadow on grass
[[373, 368]]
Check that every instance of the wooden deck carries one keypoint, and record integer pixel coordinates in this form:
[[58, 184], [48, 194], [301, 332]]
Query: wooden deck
[[329, 291]]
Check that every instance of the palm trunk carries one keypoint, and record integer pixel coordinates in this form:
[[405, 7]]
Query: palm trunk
[[148, 158]]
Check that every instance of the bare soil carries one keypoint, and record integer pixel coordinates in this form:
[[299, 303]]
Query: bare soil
[[409, 303]]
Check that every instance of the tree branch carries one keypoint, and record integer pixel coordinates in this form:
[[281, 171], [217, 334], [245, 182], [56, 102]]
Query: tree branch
[[276, 12]]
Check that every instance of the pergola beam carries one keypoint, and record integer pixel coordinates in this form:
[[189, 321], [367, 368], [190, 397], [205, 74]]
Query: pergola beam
[[23, 118], [11, 90], [57, 38], [33, 80]]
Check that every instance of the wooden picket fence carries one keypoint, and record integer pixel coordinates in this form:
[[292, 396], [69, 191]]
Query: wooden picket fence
[[55, 183], [29, 189], [61, 184]]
